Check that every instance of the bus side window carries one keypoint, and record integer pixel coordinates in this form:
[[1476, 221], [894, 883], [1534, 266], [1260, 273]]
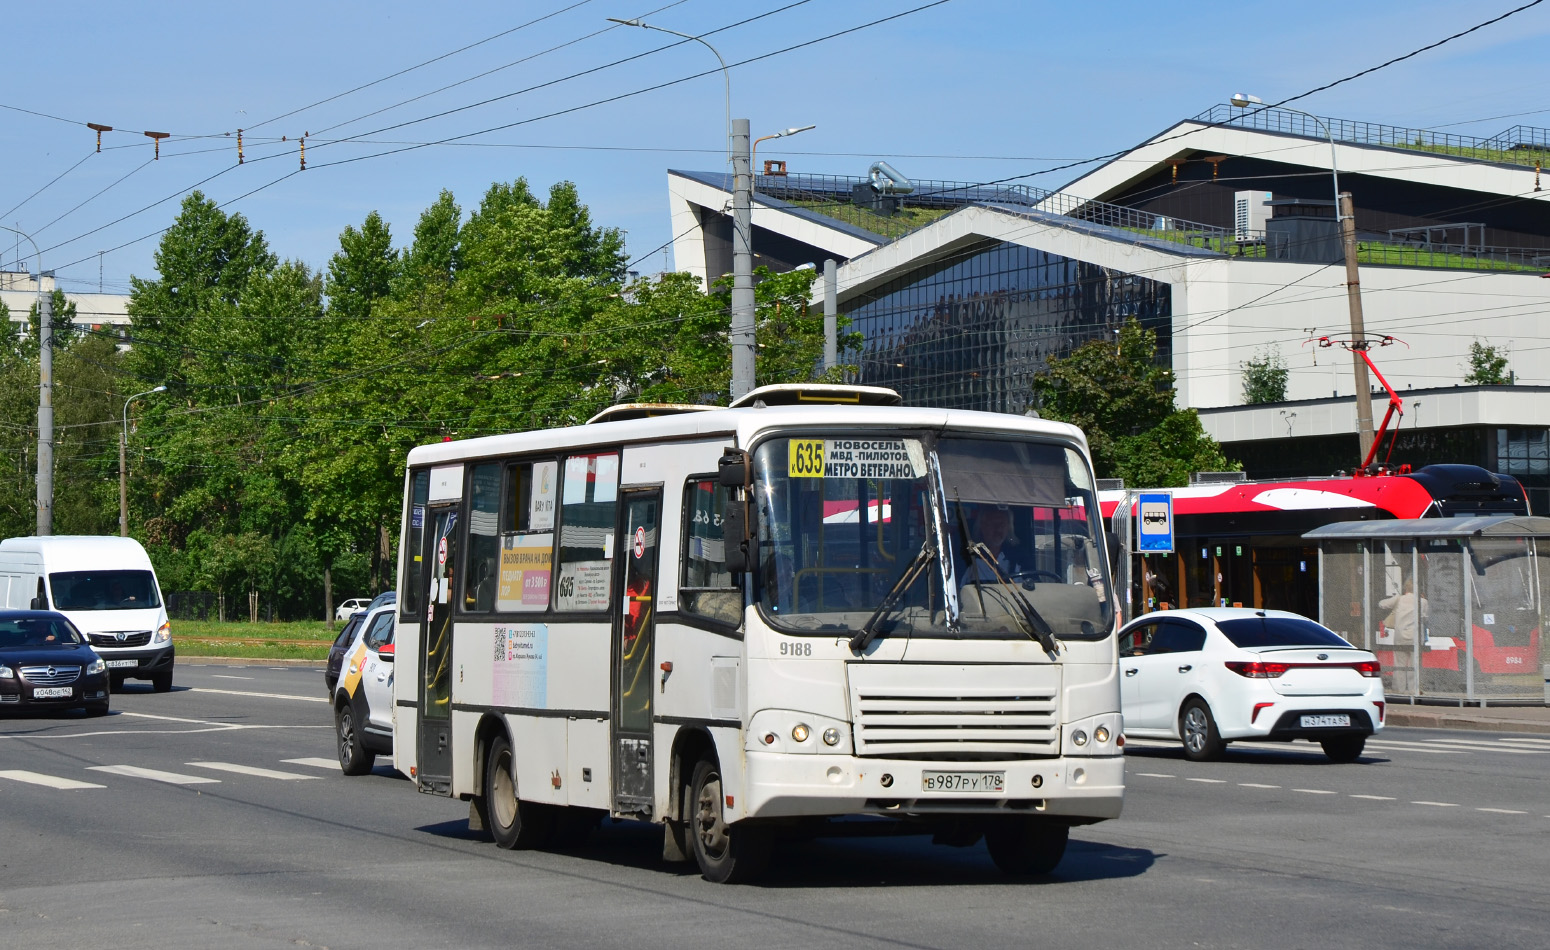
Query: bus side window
[[413, 584], [589, 513], [482, 571], [706, 588]]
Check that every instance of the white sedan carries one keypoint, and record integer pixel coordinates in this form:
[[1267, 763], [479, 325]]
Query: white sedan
[[1210, 675], [344, 610]]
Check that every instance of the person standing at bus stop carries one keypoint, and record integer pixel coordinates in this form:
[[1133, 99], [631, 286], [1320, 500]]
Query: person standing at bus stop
[[1407, 612]]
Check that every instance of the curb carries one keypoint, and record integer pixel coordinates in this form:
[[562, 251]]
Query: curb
[[1423, 720]]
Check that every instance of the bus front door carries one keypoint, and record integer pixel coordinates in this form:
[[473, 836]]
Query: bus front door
[[633, 647], [434, 762]]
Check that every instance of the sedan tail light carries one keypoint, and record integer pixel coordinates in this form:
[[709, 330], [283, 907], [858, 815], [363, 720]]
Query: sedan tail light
[[1257, 669], [1368, 668]]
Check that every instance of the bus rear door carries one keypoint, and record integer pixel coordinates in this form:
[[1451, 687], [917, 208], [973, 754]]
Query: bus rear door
[[634, 634]]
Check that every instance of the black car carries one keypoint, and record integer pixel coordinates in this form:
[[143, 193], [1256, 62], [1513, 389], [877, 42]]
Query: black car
[[336, 652], [45, 663]]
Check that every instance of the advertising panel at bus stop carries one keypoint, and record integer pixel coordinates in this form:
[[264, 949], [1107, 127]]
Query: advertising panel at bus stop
[[1154, 523]]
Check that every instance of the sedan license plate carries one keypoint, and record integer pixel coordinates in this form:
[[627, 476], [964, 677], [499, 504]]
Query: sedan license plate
[[963, 781], [1315, 722], [51, 692], [120, 664]]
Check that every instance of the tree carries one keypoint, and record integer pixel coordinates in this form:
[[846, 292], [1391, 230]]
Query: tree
[[1487, 366], [1264, 377], [363, 270], [1124, 401], [433, 258]]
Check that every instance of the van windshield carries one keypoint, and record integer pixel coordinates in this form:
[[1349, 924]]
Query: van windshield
[[104, 590]]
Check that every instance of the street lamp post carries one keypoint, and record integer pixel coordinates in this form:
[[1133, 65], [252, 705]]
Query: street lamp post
[[45, 397], [775, 135], [742, 336], [1345, 219], [123, 464]]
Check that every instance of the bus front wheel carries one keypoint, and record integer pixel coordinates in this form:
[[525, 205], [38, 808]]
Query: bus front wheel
[[726, 854], [512, 822], [1022, 845]]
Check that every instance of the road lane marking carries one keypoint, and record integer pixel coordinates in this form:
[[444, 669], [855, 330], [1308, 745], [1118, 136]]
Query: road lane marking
[[321, 763], [1209, 781], [1315, 791], [1438, 804], [48, 781], [1377, 798], [1524, 740], [1391, 746], [1256, 785], [1483, 747], [155, 775], [201, 722], [1145, 774], [1502, 811], [227, 676], [238, 692], [252, 770]]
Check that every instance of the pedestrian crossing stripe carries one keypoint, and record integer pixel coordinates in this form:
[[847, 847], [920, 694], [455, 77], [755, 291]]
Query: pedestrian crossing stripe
[[47, 781], [315, 762], [252, 770], [155, 775]]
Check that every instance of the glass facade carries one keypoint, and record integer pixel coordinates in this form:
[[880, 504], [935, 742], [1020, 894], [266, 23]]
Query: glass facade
[[972, 330]]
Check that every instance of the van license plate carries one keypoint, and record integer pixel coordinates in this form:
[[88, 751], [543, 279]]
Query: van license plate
[[52, 692], [120, 664], [1315, 722], [963, 781]]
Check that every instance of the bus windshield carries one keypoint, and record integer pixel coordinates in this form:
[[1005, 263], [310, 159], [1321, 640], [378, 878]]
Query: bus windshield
[[841, 520]]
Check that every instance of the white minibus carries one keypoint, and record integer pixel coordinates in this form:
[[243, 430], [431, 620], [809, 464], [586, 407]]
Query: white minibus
[[108, 589], [816, 612]]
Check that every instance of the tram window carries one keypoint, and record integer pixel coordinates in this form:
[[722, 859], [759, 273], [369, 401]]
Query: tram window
[[707, 588], [588, 522], [484, 547], [414, 545]]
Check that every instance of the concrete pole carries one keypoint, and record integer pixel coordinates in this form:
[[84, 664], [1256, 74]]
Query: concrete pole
[[742, 328], [123, 482], [831, 315], [45, 412], [1353, 290]]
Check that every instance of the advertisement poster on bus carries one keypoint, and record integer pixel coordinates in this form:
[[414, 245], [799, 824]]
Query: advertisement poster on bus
[[540, 507], [526, 561], [521, 670]]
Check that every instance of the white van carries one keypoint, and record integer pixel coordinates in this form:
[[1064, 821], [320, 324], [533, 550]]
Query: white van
[[108, 589]]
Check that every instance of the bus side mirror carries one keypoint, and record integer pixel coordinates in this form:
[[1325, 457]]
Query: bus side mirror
[[37, 604], [734, 469], [742, 550]]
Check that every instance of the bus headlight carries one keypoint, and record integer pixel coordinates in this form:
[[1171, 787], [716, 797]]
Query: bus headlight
[[1095, 735], [800, 732], [793, 731], [831, 736]]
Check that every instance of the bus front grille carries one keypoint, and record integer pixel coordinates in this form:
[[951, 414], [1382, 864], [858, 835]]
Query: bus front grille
[[955, 713]]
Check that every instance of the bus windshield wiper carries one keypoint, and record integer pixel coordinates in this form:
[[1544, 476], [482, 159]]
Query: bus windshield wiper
[[873, 627]]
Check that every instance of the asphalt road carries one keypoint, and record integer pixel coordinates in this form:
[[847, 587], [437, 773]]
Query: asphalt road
[[246, 835]]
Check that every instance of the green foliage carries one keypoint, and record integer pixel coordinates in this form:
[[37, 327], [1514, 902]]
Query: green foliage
[[1487, 366], [276, 455], [1264, 377], [1116, 392]]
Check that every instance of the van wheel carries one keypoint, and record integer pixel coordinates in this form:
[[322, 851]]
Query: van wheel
[[1022, 845], [512, 822], [726, 854], [162, 682], [353, 757]]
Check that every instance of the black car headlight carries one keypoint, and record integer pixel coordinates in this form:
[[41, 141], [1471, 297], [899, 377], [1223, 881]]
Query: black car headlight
[[96, 666]]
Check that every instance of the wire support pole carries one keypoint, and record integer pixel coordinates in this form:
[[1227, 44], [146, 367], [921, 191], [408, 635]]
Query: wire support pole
[[45, 477]]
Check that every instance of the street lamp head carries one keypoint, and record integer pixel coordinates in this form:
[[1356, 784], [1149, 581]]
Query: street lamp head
[[1243, 100], [614, 19], [794, 131], [159, 389]]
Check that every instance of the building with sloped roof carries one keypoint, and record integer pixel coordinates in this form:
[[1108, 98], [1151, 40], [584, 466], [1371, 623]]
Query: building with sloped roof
[[1217, 234]]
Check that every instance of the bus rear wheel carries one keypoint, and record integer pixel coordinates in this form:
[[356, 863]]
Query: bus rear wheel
[[512, 822], [1023, 846], [726, 854]]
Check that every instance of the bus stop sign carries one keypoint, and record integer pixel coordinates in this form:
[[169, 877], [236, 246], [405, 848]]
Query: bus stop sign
[[1154, 523]]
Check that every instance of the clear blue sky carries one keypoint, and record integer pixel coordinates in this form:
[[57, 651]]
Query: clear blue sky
[[1035, 83]]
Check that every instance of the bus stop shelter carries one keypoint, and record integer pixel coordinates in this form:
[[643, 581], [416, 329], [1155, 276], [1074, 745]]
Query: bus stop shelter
[[1454, 608]]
